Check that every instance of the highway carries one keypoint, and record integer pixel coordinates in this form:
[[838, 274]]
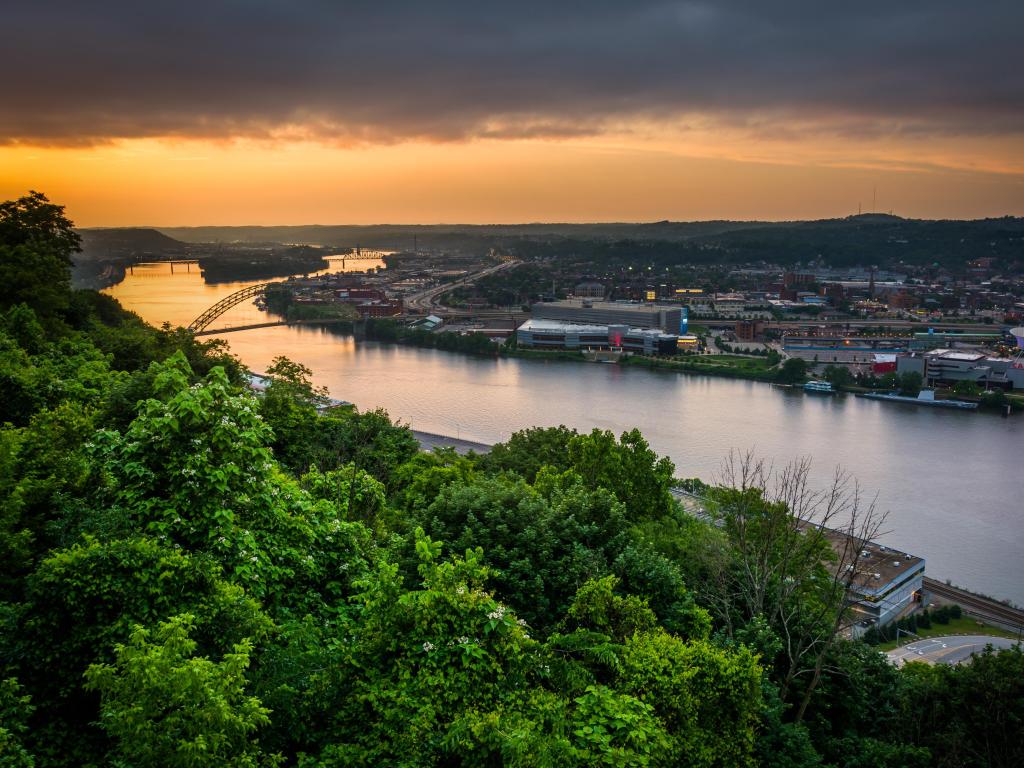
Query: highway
[[852, 325], [952, 649], [423, 301]]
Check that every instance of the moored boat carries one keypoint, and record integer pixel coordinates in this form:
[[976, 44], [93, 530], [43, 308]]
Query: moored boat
[[925, 397], [819, 387]]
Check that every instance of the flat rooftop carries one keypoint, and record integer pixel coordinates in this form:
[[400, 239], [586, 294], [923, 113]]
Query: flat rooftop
[[628, 306], [950, 354], [878, 566], [562, 326]]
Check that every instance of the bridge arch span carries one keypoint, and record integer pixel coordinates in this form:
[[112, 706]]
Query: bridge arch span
[[202, 322]]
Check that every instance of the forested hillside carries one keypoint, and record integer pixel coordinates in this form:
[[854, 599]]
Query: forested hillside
[[196, 576]]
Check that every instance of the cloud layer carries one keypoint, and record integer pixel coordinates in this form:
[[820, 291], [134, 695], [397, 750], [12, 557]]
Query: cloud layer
[[80, 73]]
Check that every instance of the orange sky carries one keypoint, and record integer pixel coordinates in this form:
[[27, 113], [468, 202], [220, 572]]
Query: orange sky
[[637, 172]]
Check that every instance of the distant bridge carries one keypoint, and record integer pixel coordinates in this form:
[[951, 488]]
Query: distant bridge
[[360, 253], [202, 322]]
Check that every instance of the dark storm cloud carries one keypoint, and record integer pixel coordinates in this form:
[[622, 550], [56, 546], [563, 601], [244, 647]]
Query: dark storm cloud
[[378, 71]]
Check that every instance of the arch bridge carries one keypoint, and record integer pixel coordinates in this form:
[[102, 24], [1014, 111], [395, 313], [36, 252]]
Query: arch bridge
[[202, 322]]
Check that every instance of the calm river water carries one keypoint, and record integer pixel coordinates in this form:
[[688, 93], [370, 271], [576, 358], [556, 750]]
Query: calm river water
[[952, 481]]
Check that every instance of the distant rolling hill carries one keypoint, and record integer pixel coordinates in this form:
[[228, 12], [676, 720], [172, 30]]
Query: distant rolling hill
[[871, 238], [106, 253], [400, 236], [138, 240]]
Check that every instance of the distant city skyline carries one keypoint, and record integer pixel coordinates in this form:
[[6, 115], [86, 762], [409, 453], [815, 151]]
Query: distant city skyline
[[176, 114]]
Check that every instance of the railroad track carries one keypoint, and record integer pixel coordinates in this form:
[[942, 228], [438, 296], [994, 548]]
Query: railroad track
[[975, 605]]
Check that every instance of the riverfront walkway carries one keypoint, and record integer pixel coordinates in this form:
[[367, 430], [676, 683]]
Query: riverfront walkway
[[429, 441]]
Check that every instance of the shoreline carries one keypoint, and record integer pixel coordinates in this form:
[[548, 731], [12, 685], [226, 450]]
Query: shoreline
[[686, 366]]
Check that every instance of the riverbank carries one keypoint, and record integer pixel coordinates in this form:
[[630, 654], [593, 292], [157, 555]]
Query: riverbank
[[762, 369]]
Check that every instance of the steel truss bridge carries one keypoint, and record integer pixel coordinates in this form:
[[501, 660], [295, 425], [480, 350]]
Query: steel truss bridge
[[358, 253], [202, 322]]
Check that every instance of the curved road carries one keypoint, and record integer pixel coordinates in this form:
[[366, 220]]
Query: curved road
[[952, 649], [423, 301]]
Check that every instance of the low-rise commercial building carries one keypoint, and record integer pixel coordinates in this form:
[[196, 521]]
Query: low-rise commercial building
[[555, 334], [589, 289], [634, 315], [885, 582], [948, 367], [888, 582], [748, 330]]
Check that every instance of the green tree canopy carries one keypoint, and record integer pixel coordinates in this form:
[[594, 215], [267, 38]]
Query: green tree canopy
[[36, 245]]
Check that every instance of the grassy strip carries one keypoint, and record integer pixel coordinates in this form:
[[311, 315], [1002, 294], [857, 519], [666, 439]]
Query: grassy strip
[[728, 366]]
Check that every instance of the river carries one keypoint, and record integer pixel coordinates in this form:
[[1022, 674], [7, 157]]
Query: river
[[951, 481]]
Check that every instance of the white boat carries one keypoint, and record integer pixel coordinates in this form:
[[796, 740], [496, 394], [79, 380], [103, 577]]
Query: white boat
[[820, 387]]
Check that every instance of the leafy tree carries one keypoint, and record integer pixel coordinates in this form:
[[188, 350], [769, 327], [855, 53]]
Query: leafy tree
[[839, 376], [794, 555], [968, 715], [627, 468], [289, 406], [542, 543], [910, 384], [81, 601], [966, 388], [355, 494], [15, 709], [165, 706], [529, 450], [708, 698], [419, 481], [530, 565], [421, 661], [43, 465], [612, 729], [36, 245], [793, 371], [195, 469]]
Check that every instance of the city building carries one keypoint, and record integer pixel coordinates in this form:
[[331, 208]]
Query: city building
[[748, 330], [688, 343], [590, 289], [634, 315], [556, 334], [886, 582], [842, 349], [949, 339], [948, 367]]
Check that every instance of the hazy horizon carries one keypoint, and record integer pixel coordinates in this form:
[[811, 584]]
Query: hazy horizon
[[552, 223]]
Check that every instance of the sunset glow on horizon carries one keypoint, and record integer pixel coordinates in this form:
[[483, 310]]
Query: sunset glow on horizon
[[176, 182], [681, 111]]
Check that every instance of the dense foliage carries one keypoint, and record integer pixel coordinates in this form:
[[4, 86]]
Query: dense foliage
[[196, 576]]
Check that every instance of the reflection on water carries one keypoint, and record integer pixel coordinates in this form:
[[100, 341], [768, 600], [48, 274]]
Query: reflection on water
[[951, 480], [161, 292]]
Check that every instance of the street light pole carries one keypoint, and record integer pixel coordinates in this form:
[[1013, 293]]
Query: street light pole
[[905, 632]]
